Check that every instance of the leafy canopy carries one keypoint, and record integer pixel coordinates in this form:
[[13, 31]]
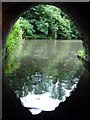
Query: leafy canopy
[[49, 22]]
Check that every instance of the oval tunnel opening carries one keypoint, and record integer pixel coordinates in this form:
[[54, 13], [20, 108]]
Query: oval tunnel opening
[[42, 58], [38, 74]]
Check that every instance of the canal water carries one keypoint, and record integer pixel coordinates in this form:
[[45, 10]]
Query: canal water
[[49, 70]]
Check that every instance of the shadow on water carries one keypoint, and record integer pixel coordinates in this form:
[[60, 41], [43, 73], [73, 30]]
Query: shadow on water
[[48, 72]]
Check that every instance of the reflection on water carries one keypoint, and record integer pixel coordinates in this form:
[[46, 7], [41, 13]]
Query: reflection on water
[[45, 101], [48, 72], [40, 102]]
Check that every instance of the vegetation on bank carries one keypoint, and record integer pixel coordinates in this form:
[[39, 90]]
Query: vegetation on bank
[[14, 48], [39, 22]]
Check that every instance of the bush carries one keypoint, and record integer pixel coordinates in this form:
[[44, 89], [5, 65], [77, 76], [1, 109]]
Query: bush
[[13, 47]]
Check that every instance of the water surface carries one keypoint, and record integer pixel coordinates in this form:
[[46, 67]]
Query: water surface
[[48, 72]]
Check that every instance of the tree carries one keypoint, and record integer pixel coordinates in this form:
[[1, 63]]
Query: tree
[[50, 22]]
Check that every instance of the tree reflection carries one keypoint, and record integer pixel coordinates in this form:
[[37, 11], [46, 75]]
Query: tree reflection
[[46, 71]]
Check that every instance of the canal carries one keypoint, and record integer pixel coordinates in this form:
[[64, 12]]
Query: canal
[[49, 70]]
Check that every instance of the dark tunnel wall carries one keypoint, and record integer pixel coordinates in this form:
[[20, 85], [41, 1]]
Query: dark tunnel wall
[[77, 104]]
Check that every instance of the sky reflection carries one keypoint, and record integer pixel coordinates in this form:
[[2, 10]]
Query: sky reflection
[[43, 102]]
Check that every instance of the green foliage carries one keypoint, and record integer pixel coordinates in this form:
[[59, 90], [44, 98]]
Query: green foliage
[[13, 48], [81, 53], [49, 22], [27, 28], [14, 37]]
